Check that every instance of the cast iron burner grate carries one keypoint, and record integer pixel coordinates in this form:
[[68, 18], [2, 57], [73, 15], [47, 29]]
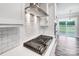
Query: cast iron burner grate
[[39, 44]]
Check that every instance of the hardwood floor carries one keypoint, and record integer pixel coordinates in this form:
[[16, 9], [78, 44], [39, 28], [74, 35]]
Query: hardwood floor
[[67, 46]]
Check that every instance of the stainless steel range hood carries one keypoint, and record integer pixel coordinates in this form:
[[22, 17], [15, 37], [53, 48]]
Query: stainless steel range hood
[[34, 9]]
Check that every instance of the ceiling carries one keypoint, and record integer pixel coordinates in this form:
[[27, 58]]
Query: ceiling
[[66, 8]]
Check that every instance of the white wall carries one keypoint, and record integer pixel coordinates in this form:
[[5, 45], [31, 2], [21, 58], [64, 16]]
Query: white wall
[[51, 18], [11, 13], [31, 27], [65, 8], [43, 6]]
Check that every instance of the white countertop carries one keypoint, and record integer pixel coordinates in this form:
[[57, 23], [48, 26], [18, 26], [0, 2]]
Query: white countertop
[[22, 51]]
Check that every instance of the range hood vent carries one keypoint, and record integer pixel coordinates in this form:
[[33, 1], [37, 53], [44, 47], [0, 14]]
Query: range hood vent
[[34, 9]]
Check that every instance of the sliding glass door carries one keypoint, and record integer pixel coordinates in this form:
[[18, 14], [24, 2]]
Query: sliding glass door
[[67, 27]]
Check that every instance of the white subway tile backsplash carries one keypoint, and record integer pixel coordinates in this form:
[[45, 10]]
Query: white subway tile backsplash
[[9, 38]]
